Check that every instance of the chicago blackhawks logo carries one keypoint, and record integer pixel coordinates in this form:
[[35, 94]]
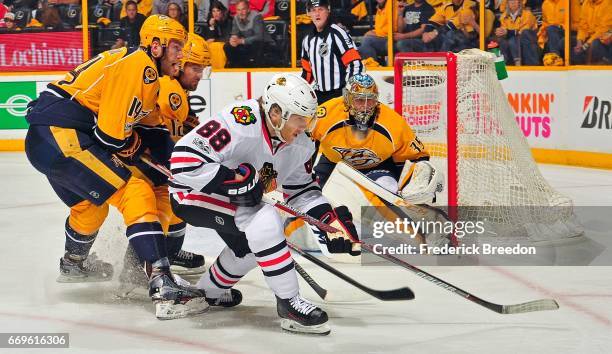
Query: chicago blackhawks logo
[[175, 101], [150, 75], [268, 175], [359, 158], [244, 115]]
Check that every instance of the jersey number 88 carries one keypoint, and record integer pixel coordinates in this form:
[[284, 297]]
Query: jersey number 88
[[218, 138]]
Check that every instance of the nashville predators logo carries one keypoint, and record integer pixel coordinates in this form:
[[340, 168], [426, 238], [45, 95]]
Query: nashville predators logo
[[321, 112], [359, 158], [150, 75], [243, 115], [175, 101]]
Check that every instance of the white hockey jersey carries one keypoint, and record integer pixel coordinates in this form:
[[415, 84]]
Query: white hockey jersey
[[235, 135]]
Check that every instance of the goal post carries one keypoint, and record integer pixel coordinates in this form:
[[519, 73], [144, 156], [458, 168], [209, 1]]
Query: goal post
[[456, 106]]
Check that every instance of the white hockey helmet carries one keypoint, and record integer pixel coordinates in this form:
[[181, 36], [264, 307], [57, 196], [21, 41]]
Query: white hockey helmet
[[293, 95]]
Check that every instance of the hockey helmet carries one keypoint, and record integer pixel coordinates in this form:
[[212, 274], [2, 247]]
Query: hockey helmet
[[195, 51], [361, 100], [293, 95], [163, 28]]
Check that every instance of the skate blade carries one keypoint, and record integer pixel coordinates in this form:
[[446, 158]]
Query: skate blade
[[84, 279], [187, 271], [292, 326], [168, 310]]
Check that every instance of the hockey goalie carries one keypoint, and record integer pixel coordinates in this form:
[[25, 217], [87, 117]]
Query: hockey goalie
[[369, 155]]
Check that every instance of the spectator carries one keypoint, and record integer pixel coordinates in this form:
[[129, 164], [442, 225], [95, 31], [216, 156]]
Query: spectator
[[9, 22], [453, 27], [175, 13], [517, 35], [49, 16], [593, 45], [411, 25], [374, 43], [247, 39], [145, 7], [130, 27], [219, 25], [551, 36], [329, 56], [161, 6]]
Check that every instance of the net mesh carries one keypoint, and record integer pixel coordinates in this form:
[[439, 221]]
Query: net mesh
[[497, 179]]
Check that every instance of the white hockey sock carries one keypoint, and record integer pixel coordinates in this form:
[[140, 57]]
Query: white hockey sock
[[277, 266], [225, 272]]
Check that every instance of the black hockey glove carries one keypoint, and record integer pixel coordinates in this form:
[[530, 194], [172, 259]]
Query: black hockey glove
[[158, 143], [345, 241], [247, 191]]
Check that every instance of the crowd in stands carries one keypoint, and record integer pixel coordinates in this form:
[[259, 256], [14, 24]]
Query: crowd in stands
[[249, 33]]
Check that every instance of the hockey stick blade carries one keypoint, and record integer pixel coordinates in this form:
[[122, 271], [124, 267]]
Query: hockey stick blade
[[385, 295], [313, 284], [531, 306]]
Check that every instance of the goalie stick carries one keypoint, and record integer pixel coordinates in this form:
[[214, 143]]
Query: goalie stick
[[393, 201]]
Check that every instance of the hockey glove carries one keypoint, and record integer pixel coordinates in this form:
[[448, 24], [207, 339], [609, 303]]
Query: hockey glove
[[158, 142], [425, 181], [345, 241], [134, 148], [245, 189]]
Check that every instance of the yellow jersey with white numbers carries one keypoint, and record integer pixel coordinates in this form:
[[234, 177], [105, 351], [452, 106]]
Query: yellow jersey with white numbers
[[118, 86], [389, 137]]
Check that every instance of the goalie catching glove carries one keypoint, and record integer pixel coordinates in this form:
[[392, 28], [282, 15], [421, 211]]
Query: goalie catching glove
[[345, 241], [423, 184]]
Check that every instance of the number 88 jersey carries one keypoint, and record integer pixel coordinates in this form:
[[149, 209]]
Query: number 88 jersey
[[236, 135]]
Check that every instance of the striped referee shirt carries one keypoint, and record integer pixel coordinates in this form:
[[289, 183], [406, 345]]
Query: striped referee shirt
[[329, 58]]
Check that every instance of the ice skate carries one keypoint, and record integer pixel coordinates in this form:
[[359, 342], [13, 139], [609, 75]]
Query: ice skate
[[230, 298], [173, 300], [300, 316], [90, 269], [187, 263]]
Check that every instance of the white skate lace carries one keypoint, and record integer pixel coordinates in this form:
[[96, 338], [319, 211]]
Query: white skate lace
[[302, 306], [185, 255]]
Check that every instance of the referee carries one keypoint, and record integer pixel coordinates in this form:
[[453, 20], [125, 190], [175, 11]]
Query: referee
[[329, 56]]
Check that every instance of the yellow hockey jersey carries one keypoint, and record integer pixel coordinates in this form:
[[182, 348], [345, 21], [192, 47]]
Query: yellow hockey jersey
[[390, 137], [173, 106], [119, 87]]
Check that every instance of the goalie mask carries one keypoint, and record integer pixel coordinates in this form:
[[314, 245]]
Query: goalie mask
[[361, 101], [292, 95]]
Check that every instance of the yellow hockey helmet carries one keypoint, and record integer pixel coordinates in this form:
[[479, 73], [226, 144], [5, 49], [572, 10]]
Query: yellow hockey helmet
[[361, 100], [196, 51], [162, 27]]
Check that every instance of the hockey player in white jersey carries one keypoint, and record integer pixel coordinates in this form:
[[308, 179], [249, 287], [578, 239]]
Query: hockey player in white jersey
[[220, 171]]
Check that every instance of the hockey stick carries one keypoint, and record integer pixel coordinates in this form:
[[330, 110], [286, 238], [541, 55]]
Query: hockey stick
[[385, 295], [313, 284]]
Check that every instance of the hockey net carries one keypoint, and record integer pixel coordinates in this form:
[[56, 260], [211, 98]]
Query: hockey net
[[457, 108]]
